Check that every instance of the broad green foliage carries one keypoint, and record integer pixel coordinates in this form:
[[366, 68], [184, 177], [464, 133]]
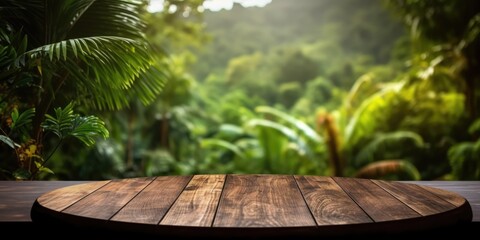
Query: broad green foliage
[[64, 124], [338, 87], [465, 157], [52, 52], [465, 160], [385, 144]]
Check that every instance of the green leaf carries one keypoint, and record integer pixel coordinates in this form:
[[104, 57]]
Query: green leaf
[[66, 123], [115, 75], [42, 168], [224, 144], [61, 123], [303, 127], [86, 129], [20, 120], [283, 130], [475, 127], [21, 174], [388, 142], [287, 132], [64, 50], [8, 141]]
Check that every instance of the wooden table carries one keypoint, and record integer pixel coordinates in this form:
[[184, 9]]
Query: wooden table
[[252, 205]]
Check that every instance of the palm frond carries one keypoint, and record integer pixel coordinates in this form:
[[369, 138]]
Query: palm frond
[[383, 168], [304, 129], [287, 132], [385, 142], [109, 18], [61, 123], [21, 119], [66, 123], [111, 70], [465, 160], [47, 21], [86, 129], [8, 141], [211, 142], [363, 120], [283, 130]]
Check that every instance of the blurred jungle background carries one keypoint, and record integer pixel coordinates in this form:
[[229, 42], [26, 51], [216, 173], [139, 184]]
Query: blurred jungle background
[[359, 88]]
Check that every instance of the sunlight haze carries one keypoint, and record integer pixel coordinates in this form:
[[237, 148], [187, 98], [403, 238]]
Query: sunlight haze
[[214, 5]]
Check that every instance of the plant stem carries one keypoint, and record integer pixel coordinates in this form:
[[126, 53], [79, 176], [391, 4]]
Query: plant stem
[[46, 159]]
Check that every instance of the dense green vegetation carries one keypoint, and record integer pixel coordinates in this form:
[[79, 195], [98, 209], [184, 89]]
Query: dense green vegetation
[[370, 88]]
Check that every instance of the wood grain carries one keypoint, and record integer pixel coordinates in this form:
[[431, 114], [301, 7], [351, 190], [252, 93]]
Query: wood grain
[[197, 204], [374, 200], [262, 201], [255, 206], [449, 196], [414, 196], [106, 201], [61, 198], [328, 203], [150, 205]]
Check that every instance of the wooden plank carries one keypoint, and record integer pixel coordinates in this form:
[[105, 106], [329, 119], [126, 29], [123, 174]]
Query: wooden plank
[[416, 197], [375, 201], [262, 201], [152, 203], [196, 205], [106, 201], [451, 197], [17, 197], [328, 202], [61, 198]]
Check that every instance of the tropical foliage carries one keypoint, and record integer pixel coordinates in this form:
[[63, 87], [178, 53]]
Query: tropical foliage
[[372, 88], [53, 52]]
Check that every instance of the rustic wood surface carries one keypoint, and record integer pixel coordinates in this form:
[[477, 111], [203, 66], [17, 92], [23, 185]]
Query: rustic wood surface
[[197, 204], [376, 202], [152, 203], [105, 201], [262, 201], [329, 203], [248, 205], [16, 199]]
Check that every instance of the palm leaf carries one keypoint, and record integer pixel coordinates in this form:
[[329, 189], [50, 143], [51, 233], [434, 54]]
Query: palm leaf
[[47, 21], [61, 123], [95, 49], [465, 160], [388, 141], [287, 132], [223, 144], [283, 130], [22, 119], [303, 127], [8, 141], [105, 68], [86, 129], [383, 168], [363, 120], [66, 123]]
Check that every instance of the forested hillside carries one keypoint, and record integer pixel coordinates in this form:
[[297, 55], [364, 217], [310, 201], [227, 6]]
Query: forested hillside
[[359, 88]]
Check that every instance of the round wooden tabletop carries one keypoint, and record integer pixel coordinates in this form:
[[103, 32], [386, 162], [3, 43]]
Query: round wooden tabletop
[[252, 205]]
